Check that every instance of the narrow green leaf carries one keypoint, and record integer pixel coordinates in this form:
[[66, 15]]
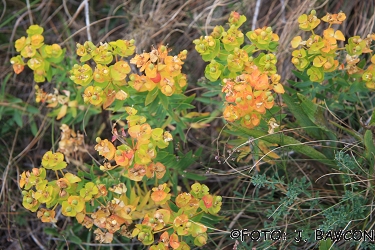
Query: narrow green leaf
[[350, 131], [49, 74], [173, 206], [51, 231], [211, 93], [316, 114], [195, 177], [287, 141], [308, 107], [164, 100], [73, 111], [17, 117], [151, 96], [370, 149], [325, 244], [75, 239], [301, 75], [33, 127], [5, 80], [372, 121], [31, 109], [182, 106], [302, 119], [185, 161], [249, 48]]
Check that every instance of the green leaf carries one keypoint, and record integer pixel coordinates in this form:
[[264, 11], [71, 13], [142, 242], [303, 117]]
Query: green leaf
[[51, 231], [372, 121], [325, 244], [361, 64], [185, 161], [195, 177], [308, 107], [210, 220], [303, 76], [211, 93], [350, 131], [33, 110], [210, 101], [173, 207], [162, 155], [370, 148], [33, 127], [182, 106], [5, 80], [316, 114], [17, 117], [49, 74], [286, 141], [151, 96], [302, 119], [73, 111], [249, 48], [75, 239], [164, 100]]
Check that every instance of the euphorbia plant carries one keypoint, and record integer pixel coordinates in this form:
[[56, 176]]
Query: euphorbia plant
[[247, 77], [248, 82], [331, 68], [319, 54], [130, 192]]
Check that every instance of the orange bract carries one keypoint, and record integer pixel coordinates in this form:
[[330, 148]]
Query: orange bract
[[158, 195], [106, 149], [334, 18]]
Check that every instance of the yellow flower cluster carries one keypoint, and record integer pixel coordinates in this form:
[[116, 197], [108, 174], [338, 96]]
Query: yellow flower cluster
[[318, 53], [40, 55]]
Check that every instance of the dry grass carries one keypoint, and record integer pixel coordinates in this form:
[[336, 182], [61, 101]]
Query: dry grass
[[173, 22]]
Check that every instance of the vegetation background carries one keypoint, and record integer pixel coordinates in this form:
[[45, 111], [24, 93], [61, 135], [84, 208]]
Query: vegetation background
[[173, 22]]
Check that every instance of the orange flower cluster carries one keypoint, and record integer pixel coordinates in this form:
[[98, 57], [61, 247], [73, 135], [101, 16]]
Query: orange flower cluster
[[318, 51], [249, 96], [136, 155], [161, 70]]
